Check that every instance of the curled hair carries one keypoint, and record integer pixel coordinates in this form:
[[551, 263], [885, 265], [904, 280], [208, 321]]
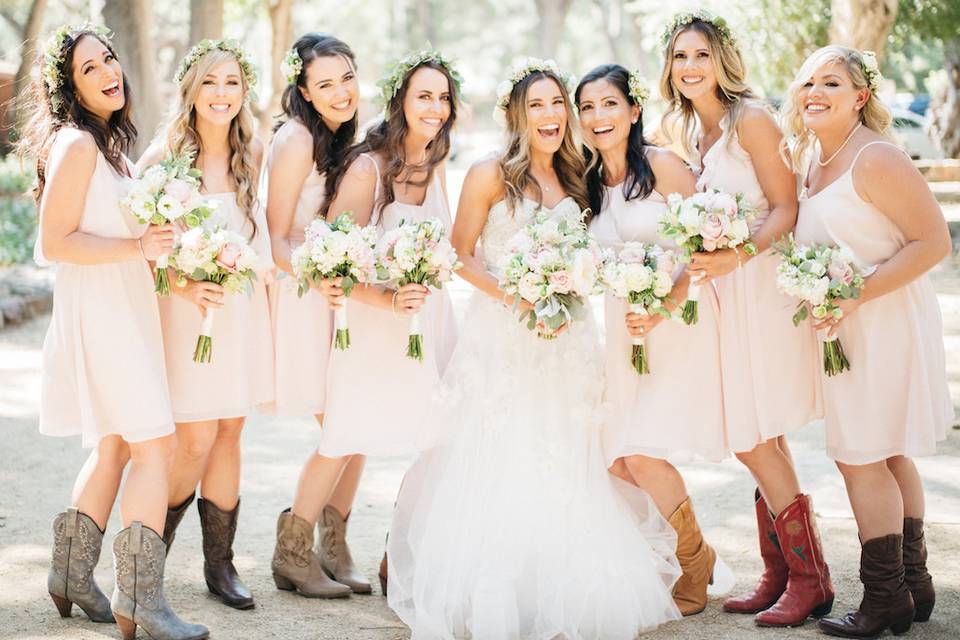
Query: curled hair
[[798, 140], [182, 137], [568, 161], [329, 147], [114, 137], [732, 89], [386, 139], [639, 181]]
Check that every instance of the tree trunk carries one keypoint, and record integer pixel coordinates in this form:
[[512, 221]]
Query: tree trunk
[[945, 110], [427, 24], [206, 20], [612, 15], [132, 26], [281, 38], [28, 53], [862, 24], [553, 15]]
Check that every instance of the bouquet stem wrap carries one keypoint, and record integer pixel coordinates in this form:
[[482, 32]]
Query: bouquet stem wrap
[[204, 349], [638, 355], [415, 339], [834, 359], [341, 338], [690, 311], [161, 279]]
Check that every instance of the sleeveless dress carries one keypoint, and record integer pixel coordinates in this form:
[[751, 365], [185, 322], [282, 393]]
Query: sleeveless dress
[[511, 526], [376, 395], [103, 370], [894, 400], [239, 376], [302, 327], [769, 387], [684, 360]]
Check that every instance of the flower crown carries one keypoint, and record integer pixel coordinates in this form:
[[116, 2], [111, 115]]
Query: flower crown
[[517, 73], [689, 17], [205, 46], [51, 66], [638, 88], [291, 66], [871, 70], [392, 80]]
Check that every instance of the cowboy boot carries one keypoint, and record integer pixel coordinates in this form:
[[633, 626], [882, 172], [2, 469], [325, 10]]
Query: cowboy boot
[[76, 550], [915, 567], [696, 559], [382, 574], [174, 516], [887, 603], [334, 553], [219, 528], [139, 555], [295, 565], [773, 580], [809, 589]]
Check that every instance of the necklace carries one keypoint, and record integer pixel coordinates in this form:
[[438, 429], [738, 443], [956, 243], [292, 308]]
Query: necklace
[[823, 163]]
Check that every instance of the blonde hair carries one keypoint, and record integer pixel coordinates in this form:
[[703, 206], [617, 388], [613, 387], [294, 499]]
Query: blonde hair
[[732, 88], [568, 161], [182, 136], [798, 140]]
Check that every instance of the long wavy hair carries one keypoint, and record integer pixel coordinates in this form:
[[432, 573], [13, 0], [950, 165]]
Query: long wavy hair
[[640, 180], [568, 161], [114, 137], [798, 140], [732, 88], [329, 147], [386, 139], [183, 138]]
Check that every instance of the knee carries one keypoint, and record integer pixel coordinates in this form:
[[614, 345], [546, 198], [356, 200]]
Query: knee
[[761, 454], [159, 451], [228, 434], [898, 464], [113, 452], [646, 470], [195, 445], [856, 472]]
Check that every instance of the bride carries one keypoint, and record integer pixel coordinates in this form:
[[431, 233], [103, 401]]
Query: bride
[[508, 526]]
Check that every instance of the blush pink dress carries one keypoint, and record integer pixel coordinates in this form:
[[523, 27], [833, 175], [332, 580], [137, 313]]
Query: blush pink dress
[[302, 326], [769, 386], [103, 369], [389, 421], [676, 411], [239, 376], [894, 400]]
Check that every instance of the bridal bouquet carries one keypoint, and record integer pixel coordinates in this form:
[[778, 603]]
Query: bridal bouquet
[[339, 249], [213, 255], [554, 264], [643, 275], [819, 275], [705, 221], [416, 253], [168, 193]]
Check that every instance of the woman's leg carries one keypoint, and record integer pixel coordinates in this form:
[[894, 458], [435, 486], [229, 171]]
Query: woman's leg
[[194, 442], [772, 468], [346, 490], [660, 479], [220, 482], [98, 482], [146, 492]]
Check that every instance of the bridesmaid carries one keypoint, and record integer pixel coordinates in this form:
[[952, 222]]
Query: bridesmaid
[[320, 124], [628, 185], [213, 123], [397, 174], [893, 403], [103, 373], [738, 143]]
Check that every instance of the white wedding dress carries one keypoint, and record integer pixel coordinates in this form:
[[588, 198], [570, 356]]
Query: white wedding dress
[[509, 526]]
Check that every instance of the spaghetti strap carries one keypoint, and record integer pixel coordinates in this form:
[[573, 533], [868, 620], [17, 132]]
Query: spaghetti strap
[[375, 216]]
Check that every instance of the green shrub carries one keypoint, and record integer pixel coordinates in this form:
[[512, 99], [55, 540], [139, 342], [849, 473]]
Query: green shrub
[[18, 215]]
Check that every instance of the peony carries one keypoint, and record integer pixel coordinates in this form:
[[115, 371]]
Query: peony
[[530, 287], [840, 270], [583, 272], [662, 283], [228, 256], [180, 191], [169, 207], [633, 252]]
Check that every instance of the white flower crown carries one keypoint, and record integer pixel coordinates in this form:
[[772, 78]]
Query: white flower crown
[[638, 88], [871, 69], [51, 65], [393, 79], [291, 66], [689, 17], [517, 73], [205, 46]]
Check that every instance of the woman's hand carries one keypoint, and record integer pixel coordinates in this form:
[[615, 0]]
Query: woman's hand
[[409, 298], [714, 264], [157, 241], [330, 289], [640, 325], [830, 324], [206, 295]]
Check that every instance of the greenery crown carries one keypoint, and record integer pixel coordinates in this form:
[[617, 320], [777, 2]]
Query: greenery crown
[[871, 70], [638, 88], [520, 71], [51, 67], [390, 83], [291, 66], [686, 18], [205, 46]]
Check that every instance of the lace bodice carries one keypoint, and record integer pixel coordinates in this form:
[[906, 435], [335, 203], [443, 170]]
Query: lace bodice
[[503, 223]]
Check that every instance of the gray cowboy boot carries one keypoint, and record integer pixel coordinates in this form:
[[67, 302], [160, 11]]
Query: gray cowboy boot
[[295, 566], [76, 550], [335, 554], [219, 528], [174, 516], [138, 558]]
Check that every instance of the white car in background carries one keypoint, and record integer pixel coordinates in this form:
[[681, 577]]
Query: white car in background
[[909, 130]]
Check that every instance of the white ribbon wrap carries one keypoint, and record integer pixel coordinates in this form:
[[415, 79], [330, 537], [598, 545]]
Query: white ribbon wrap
[[206, 327], [693, 291], [640, 310], [415, 325], [162, 261], [340, 316], [824, 337]]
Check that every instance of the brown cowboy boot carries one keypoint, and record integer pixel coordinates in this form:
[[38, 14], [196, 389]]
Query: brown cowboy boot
[[174, 516], [334, 553], [696, 559], [887, 603], [77, 541], [295, 565], [809, 589], [773, 580], [915, 569], [219, 528]]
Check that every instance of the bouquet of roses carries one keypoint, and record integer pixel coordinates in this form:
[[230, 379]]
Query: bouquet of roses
[[416, 253], [706, 221], [643, 275], [554, 264], [213, 255], [169, 193], [819, 275], [339, 249]]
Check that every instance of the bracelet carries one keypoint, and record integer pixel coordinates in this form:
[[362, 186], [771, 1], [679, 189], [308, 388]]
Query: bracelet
[[393, 301], [140, 246], [503, 299]]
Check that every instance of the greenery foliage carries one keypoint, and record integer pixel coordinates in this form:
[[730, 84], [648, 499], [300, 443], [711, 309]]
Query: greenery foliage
[[18, 215]]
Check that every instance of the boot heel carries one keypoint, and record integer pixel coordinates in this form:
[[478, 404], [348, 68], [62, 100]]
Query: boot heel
[[383, 585], [283, 583], [128, 628], [823, 609], [64, 606], [901, 627], [922, 612]]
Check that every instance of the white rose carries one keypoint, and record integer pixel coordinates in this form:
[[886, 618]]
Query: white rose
[[583, 272], [663, 284], [530, 287]]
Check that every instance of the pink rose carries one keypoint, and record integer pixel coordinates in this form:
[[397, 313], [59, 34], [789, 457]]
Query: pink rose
[[839, 270], [179, 190], [725, 202], [632, 252], [715, 226], [227, 258], [560, 281]]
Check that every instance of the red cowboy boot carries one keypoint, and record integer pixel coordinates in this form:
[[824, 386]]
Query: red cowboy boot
[[773, 580]]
